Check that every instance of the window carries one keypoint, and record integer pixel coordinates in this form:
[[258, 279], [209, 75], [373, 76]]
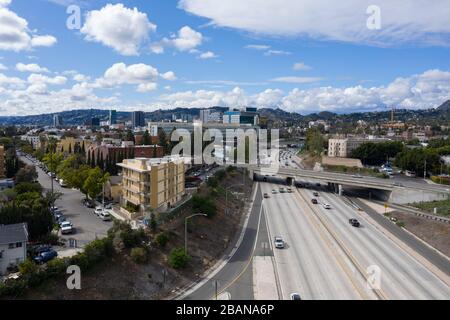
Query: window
[[11, 246], [19, 245]]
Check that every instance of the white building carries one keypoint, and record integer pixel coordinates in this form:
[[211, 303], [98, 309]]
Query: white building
[[13, 245], [343, 147], [35, 141]]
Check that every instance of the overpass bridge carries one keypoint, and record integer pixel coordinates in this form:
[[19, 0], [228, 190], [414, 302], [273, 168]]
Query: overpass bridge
[[398, 192]]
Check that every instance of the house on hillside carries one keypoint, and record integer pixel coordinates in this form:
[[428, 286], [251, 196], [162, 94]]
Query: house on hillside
[[13, 245]]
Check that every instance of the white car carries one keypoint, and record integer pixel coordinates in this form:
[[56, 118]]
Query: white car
[[326, 206], [279, 243], [105, 215], [98, 211], [66, 227]]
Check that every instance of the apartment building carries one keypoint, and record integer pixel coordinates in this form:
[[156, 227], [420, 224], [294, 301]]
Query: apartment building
[[342, 147], [2, 162], [72, 145], [156, 183]]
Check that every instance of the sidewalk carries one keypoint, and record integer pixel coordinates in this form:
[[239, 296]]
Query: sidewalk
[[264, 282]]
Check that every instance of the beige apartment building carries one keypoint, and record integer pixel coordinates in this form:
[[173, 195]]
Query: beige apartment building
[[2, 162], [152, 183], [343, 147]]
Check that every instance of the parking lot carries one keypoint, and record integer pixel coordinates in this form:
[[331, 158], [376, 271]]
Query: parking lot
[[87, 226]]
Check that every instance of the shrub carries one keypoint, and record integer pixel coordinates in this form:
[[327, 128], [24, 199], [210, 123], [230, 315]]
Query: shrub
[[139, 255], [213, 182], [162, 239], [178, 258], [220, 174], [131, 238], [56, 267], [204, 205], [401, 224]]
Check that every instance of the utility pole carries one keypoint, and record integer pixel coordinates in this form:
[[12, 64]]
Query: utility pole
[[425, 170]]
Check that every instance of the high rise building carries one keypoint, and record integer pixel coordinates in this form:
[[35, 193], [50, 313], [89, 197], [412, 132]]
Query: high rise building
[[204, 115], [138, 119], [112, 117], [57, 120]]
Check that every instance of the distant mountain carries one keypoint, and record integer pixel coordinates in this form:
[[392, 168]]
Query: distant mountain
[[445, 106]]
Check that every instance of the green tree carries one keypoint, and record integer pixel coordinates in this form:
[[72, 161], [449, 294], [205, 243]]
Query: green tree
[[146, 140], [178, 259], [94, 182], [26, 174], [314, 141]]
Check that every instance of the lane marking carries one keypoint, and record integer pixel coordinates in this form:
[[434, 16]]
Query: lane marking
[[380, 294], [310, 215]]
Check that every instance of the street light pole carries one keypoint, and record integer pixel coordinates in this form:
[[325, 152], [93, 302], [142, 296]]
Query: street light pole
[[226, 194], [185, 228]]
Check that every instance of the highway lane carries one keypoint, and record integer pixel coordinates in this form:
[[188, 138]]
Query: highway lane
[[402, 277], [310, 264]]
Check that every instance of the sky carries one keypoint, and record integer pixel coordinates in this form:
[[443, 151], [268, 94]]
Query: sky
[[297, 55]]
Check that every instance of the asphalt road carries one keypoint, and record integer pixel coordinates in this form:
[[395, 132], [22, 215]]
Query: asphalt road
[[310, 263], [87, 225], [235, 277], [401, 275]]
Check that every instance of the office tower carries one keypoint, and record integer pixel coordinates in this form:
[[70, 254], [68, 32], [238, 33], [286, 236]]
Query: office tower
[[57, 121], [112, 117], [138, 119]]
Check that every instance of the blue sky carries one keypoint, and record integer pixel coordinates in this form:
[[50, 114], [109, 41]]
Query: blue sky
[[299, 56]]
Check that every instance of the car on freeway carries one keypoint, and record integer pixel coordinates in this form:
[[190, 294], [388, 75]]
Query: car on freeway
[[66, 227], [295, 296], [354, 222], [45, 256], [398, 184], [274, 191], [289, 190], [266, 195], [279, 243], [282, 190], [315, 194], [327, 206], [314, 201]]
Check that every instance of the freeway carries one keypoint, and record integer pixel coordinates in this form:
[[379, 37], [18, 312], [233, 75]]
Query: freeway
[[402, 276], [311, 263]]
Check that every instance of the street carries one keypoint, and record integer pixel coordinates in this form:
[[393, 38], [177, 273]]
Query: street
[[87, 225]]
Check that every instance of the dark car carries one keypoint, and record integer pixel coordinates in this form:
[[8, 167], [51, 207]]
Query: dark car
[[354, 222], [314, 201], [45, 256], [89, 204], [315, 194], [37, 250]]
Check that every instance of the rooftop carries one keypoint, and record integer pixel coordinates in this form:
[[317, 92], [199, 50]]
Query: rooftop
[[10, 233]]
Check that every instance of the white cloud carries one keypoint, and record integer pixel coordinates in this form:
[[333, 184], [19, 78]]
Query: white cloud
[[425, 90], [187, 39], [401, 21], [39, 78], [170, 76], [277, 53], [208, 55], [118, 27], [15, 34], [80, 78], [301, 66], [3, 67], [32, 68], [257, 47], [147, 87], [297, 79], [157, 48], [43, 41]]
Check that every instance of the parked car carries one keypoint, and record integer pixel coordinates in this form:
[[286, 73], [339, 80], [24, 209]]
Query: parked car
[[314, 201], [66, 227], [98, 210], [279, 243], [354, 222], [45, 256], [295, 296], [88, 204], [105, 215], [327, 206]]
